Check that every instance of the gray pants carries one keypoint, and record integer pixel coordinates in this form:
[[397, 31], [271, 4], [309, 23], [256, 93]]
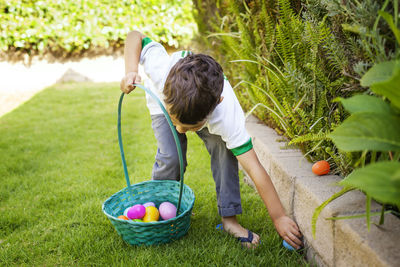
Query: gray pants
[[224, 164]]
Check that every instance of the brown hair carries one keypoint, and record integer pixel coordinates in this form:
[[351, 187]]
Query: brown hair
[[193, 88]]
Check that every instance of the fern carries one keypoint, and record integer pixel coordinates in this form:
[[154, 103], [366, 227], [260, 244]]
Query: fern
[[291, 65], [283, 45], [310, 137], [290, 118], [335, 54]]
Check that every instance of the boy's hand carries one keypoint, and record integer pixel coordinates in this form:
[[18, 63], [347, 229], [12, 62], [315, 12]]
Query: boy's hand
[[289, 231], [127, 82], [285, 226]]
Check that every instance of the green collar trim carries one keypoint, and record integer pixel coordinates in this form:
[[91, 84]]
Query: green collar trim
[[146, 41], [243, 148], [185, 53]]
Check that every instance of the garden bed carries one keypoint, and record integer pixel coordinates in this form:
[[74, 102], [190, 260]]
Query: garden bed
[[337, 242]]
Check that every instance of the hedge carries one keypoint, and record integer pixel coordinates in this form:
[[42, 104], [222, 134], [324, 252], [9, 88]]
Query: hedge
[[65, 29]]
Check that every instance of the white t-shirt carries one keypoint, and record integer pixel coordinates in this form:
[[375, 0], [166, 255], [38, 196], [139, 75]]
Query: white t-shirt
[[227, 120]]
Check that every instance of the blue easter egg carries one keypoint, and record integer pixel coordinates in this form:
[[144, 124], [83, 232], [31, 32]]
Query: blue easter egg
[[286, 245]]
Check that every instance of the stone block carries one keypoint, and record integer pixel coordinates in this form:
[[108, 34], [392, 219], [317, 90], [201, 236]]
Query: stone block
[[313, 258], [263, 156], [284, 184], [312, 191], [305, 202], [355, 246], [266, 137], [337, 242]]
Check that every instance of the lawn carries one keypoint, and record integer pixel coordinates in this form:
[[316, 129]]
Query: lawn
[[59, 161]]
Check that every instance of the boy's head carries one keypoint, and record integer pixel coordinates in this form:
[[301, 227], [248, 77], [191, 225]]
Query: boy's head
[[193, 88]]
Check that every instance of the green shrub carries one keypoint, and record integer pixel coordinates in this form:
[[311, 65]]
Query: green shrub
[[372, 127], [74, 28], [289, 60]]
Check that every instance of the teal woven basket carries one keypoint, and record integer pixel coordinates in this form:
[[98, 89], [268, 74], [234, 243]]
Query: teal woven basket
[[157, 191]]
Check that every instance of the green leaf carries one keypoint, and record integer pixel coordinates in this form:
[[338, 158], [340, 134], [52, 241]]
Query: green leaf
[[390, 22], [380, 72], [355, 28], [358, 216], [366, 103], [318, 210], [368, 131], [379, 180], [384, 79], [390, 89]]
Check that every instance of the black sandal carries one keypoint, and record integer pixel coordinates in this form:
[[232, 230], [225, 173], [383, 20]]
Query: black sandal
[[248, 239]]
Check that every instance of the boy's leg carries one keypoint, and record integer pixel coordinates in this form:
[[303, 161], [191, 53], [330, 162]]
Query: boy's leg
[[166, 166], [224, 166]]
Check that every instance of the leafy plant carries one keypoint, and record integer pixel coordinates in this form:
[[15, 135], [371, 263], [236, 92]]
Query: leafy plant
[[285, 68], [293, 58], [374, 126], [350, 52]]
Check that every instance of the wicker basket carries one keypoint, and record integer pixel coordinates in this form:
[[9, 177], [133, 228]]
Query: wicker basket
[[157, 191]]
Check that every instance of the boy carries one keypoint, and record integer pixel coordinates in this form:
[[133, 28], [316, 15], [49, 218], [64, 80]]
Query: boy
[[198, 98]]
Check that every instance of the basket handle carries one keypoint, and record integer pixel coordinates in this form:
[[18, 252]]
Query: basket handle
[[177, 142]]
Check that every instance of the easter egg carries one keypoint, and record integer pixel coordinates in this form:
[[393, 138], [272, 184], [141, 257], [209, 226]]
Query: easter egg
[[321, 167], [126, 211], [123, 217], [136, 212], [167, 210], [286, 245], [148, 204], [137, 220], [151, 215]]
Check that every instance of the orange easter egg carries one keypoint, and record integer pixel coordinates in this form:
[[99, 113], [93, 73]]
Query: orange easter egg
[[123, 217], [321, 167]]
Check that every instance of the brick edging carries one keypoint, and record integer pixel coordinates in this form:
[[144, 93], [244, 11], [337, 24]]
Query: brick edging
[[337, 243]]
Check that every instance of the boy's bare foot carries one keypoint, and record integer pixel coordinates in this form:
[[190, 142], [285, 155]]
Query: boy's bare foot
[[231, 226]]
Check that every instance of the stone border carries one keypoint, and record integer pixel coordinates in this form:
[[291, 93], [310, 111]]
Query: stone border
[[337, 243]]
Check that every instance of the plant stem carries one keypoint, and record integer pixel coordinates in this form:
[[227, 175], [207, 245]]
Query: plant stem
[[382, 218], [391, 155], [368, 207], [373, 156]]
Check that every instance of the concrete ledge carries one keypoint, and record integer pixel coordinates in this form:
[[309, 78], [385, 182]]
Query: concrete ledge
[[337, 243]]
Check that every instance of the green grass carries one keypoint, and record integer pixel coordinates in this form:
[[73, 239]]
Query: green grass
[[59, 161]]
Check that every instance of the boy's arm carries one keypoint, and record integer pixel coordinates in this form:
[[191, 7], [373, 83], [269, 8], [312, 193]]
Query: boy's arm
[[132, 50], [285, 226]]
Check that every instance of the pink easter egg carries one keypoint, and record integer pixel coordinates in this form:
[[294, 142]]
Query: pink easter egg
[[148, 204], [136, 212], [167, 210]]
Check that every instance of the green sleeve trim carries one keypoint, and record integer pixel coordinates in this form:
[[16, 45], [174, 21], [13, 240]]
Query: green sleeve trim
[[145, 41], [243, 148]]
